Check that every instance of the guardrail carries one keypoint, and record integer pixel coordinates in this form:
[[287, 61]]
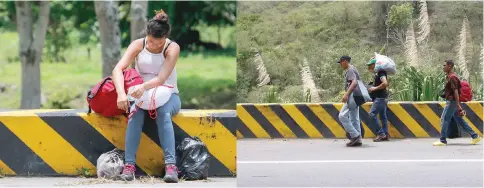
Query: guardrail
[[311, 120], [62, 142]]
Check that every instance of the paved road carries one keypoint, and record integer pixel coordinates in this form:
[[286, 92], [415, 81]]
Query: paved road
[[329, 163], [92, 182]]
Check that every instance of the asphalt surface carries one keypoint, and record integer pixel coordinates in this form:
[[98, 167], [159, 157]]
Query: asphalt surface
[[329, 163], [93, 182]]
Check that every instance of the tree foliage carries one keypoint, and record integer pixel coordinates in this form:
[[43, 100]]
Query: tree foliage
[[77, 20], [400, 16]]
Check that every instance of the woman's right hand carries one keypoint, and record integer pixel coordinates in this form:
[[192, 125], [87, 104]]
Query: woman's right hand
[[123, 102]]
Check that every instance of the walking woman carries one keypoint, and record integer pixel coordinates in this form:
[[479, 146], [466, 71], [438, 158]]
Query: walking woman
[[155, 57]]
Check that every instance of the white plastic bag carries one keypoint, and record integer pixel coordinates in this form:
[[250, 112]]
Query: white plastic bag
[[385, 63], [110, 164], [161, 95]]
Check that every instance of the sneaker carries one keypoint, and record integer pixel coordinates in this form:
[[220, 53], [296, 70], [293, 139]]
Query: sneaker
[[354, 142], [439, 143], [358, 143], [128, 172], [380, 138], [476, 140], [171, 174]]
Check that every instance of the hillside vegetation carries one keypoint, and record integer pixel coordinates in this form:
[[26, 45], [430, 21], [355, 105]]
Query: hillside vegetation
[[286, 51]]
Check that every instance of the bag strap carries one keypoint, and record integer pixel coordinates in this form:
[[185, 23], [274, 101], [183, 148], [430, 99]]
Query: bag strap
[[459, 81], [92, 93], [89, 106]]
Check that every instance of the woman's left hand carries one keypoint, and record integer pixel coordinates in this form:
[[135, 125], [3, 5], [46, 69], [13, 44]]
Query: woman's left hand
[[138, 91]]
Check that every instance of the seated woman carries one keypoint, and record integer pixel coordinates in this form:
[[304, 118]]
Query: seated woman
[[155, 57]]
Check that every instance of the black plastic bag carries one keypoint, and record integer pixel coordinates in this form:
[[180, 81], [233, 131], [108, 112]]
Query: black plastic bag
[[453, 129], [193, 159]]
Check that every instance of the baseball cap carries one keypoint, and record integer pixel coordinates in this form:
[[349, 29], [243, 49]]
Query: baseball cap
[[345, 57], [371, 62]]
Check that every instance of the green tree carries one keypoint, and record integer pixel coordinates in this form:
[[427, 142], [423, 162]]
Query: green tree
[[31, 42], [399, 18]]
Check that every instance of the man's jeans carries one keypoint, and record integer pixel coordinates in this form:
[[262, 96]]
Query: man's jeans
[[450, 111], [350, 118], [380, 107]]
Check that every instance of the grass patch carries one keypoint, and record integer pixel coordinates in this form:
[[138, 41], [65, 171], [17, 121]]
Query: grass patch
[[84, 172], [202, 77]]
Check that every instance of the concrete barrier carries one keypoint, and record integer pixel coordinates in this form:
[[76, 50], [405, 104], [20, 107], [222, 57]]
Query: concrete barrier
[[63, 142], [406, 120]]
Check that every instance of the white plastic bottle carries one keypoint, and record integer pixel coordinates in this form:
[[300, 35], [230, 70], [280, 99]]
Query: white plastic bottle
[[130, 91]]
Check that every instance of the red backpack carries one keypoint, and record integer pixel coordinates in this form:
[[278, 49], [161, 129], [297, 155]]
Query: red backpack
[[465, 91], [102, 98]]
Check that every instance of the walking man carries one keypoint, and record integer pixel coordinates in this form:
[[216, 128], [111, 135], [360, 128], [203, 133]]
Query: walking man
[[453, 108], [349, 115], [379, 96]]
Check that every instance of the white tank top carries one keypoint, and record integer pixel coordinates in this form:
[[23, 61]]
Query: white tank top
[[149, 66]]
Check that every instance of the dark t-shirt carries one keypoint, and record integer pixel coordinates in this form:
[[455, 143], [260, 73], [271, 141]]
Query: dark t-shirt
[[452, 84], [382, 93]]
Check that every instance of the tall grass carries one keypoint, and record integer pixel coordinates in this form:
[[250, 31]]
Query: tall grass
[[411, 49], [462, 49], [309, 86], [420, 85], [264, 77], [424, 23]]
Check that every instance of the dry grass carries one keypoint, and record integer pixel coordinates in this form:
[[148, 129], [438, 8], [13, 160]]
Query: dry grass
[[308, 82], [462, 49], [424, 23], [481, 57], [140, 180], [470, 45], [411, 49], [263, 78], [87, 181], [94, 181]]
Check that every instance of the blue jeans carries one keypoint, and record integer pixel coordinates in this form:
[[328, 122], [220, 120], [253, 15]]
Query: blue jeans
[[380, 107], [450, 111], [350, 118], [165, 130]]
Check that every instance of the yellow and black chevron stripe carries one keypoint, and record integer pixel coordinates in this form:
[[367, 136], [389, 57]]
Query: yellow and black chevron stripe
[[61, 142], [405, 119]]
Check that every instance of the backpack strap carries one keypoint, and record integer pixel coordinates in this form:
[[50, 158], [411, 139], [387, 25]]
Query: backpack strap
[[91, 94], [459, 81]]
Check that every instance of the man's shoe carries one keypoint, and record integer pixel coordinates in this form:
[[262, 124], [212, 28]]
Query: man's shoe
[[439, 143], [171, 174], [354, 142], [380, 138], [476, 140], [128, 172]]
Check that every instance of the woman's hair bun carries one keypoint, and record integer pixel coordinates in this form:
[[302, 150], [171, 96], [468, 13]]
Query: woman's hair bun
[[161, 16]]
